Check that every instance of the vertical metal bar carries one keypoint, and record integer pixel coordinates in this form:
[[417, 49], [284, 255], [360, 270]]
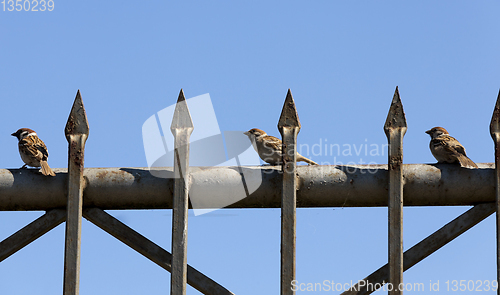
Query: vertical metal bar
[[77, 131], [495, 134], [182, 127], [289, 127], [395, 129]]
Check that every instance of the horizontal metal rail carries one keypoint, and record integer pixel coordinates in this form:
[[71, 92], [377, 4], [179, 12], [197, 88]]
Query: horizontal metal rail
[[318, 186]]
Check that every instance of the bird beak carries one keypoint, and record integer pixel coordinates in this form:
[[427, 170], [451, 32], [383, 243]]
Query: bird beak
[[14, 134], [246, 133], [428, 132]]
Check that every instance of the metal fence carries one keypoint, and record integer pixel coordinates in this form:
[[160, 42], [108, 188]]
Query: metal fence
[[77, 192]]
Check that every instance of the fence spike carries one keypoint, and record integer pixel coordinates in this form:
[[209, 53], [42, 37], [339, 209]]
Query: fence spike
[[77, 123], [182, 127], [396, 117], [289, 116], [76, 131], [182, 117], [395, 129], [495, 134], [289, 127], [495, 119]]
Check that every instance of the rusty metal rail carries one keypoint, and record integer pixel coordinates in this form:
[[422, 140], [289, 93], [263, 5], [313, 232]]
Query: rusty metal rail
[[318, 186]]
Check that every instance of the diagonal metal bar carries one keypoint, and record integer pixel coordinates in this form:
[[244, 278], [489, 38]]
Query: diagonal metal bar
[[495, 134], [426, 247], [395, 129], [31, 232], [289, 127], [182, 127], [150, 250], [76, 131]]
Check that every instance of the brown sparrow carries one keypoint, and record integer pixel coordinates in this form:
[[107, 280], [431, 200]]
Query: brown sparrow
[[447, 149], [269, 147], [33, 151]]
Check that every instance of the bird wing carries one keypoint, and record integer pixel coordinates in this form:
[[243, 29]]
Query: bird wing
[[453, 147], [460, 152], [34, 147], [449, 144], [453, 143], [272, 142]]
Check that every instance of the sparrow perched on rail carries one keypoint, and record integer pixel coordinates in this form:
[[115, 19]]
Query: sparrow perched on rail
[[269, 147], [33, 151], [447, 149]]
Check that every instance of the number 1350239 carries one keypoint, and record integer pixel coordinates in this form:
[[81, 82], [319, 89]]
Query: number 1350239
[[27, 5]]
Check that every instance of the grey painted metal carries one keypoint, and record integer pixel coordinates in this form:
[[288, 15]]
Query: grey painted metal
[[289, 127], [150, 250], [76, 131], [495, 134], [427, 246], [395, 129], [182, 127], [31, 232], [318, 186]]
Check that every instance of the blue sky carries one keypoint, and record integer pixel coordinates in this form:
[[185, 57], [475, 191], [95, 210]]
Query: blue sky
[[342, 61]]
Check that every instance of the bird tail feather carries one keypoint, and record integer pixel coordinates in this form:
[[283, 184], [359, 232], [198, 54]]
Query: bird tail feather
[[466, 162], [46, 170], [301, 158]]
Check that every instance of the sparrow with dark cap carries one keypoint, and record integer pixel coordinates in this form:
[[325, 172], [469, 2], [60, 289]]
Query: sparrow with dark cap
[[33, 151]]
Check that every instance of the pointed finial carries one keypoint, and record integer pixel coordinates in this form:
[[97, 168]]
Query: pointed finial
[[495, 119], [289, 116], [77, 121], [396, 117], [182, 117]]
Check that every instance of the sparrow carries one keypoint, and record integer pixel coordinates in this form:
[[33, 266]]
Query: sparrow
[[447, 149], [33, 151], [269, 147]]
